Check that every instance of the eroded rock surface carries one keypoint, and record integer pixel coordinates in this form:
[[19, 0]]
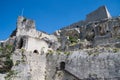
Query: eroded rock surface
[[86, 50]]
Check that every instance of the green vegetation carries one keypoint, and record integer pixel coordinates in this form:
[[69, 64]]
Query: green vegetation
[[23, 58], [6, 53], [24, 19], [7, 50], [90, 53], [73, 39], [115, 50], [59, 52], [11, 74], [95, 52], [118, 37], [1, 49], [67, 53], [17, 63], [22, 50], [50, 52]]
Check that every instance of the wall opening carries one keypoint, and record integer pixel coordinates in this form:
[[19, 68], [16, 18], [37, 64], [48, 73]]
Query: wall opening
[[20, 45], [62, 65], [36, 51], [77, 26]]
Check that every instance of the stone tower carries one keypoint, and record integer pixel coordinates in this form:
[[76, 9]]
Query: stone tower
[[101, 13]]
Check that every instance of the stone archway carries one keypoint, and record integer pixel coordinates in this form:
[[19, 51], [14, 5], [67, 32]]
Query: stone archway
[[62, 65], [20, 45]]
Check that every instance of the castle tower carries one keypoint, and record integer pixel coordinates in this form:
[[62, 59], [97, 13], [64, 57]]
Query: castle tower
[[23, 23], [101, 13], [25, 26]]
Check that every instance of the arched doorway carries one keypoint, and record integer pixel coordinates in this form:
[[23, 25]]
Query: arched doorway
[[20, 45], [62, 65]]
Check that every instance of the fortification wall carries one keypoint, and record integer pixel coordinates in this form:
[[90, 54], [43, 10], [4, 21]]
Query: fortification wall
[[97, 65], [100, 13], [36, 44]]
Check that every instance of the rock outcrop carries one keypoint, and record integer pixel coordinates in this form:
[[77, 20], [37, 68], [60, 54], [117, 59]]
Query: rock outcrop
[[86, 50]]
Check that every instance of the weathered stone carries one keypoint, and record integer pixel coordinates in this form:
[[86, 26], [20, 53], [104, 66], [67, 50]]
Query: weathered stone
[[86, 50], [100, 13]]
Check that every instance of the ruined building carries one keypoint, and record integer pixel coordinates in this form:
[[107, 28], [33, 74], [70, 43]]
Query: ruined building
[[85, 50]]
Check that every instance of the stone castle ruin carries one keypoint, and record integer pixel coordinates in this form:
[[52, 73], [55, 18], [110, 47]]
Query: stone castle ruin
[[100, 30], [100, 13], [85, 50]]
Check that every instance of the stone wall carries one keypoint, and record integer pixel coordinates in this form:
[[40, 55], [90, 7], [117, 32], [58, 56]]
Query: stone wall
[[27, 27], [99, 64], [53, 67], [36, 44], [100, 13]]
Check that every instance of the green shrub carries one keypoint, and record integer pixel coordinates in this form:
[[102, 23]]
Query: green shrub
[[6, 53], [17, 63], [67, 53], [115, 50], [73, 39], [11, 74], [1, 49], [58, 52], [50, 52], [7, 66], [22, 50]]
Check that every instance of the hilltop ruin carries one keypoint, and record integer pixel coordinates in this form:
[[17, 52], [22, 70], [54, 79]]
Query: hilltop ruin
[[85, 50]]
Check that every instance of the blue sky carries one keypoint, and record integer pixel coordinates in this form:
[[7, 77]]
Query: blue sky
[[49, 15]]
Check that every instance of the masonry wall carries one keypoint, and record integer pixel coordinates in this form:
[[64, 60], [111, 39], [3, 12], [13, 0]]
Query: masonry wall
[[36, 44], [100, 13], [102, 64]]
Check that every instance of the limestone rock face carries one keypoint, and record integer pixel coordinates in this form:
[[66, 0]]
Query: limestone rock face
[[86, 50], [29, 65], [28, 52], [96, 65]]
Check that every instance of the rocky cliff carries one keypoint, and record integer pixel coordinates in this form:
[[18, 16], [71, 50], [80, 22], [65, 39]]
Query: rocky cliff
[[86, 50]]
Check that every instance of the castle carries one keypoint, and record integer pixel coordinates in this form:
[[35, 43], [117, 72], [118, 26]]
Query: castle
[[85, 50]]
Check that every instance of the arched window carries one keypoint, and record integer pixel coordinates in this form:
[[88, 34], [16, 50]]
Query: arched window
[[62, 65], [36, 51]]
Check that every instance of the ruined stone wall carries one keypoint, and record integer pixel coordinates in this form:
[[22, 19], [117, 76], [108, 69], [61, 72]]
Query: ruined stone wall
[[104, 32], [53, 67], [36, 44], [27, 27], [28, 65], [100, 13], [97, 65]]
